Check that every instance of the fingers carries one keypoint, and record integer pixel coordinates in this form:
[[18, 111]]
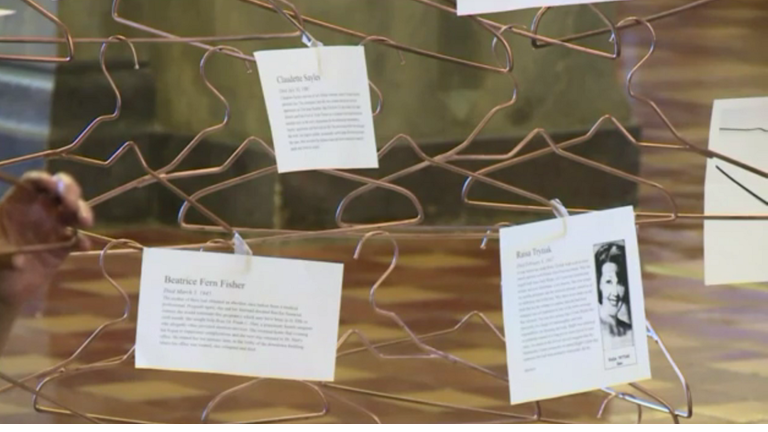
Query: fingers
[[66, 193], [68, 190], [40, 181], [83, 243], [71, 196]]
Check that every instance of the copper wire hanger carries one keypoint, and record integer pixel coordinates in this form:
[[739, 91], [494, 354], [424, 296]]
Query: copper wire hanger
[[441, 159], [80, 139], [510, 159], [521, 30], [102, 328], [336, 173], [297, 18], [621, 26], [68, 42], [427, 161], [558, 149], [133, 147], [6, 255], [321, 393], [704, 152], [63, 373], [657, 403], [194, 41], [147, 179], [60, 370], [427, 351], [36, 394], [390, 43], [273, 169]]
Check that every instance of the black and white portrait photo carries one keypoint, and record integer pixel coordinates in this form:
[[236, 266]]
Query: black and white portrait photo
[[613, 295]]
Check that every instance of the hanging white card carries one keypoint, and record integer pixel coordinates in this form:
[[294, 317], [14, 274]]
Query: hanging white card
[[238, 315], [574, 311], [734, 250], [319, 107]]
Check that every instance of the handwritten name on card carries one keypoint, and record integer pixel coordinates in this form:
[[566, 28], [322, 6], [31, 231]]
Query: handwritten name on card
[[319, 107], [474, 7], [574, 304], [238, 315], [734, 250]]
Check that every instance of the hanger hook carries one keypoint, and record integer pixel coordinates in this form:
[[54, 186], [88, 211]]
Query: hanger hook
[[298, 22], [507, 53], [203, 63], [385, 40], [366, 237], [647, 56], [103, 62], [392, 265], [614, 37], [496, 227], [380, 104]]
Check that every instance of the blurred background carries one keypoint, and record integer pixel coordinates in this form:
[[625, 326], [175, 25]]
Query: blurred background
[[717, 334]]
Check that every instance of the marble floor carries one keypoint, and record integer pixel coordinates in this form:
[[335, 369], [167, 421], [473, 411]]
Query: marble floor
[[718, 336]]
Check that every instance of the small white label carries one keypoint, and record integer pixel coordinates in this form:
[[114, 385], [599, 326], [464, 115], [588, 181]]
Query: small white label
[[238, 315], [473, 7], [6, 12], [574, 312], [319, 108]]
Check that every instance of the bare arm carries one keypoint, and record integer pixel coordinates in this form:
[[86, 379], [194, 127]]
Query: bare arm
[[38, 213]]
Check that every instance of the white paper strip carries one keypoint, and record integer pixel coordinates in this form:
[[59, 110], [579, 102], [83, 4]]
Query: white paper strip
[[474, 7]]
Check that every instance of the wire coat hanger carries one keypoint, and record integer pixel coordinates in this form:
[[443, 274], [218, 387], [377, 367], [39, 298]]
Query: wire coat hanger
[[657, 403], [521, 30], [689, 145], [319, 392], [102, 328], [80, 139], [273, 169], [390, 43], [427, 351], [148, 29], [142, 181], [68, 42], [559, 150], [625, 24]]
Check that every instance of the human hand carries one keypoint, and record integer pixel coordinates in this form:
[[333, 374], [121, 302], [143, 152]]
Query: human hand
[[42, 210]]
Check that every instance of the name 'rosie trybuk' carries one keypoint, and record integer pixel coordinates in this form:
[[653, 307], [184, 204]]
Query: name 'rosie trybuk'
[[534, 252]]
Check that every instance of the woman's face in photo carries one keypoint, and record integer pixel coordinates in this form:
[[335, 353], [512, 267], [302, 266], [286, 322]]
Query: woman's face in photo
[[613, 292]]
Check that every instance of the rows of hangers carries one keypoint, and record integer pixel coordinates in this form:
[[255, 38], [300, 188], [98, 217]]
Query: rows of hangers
[[390, 230]]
